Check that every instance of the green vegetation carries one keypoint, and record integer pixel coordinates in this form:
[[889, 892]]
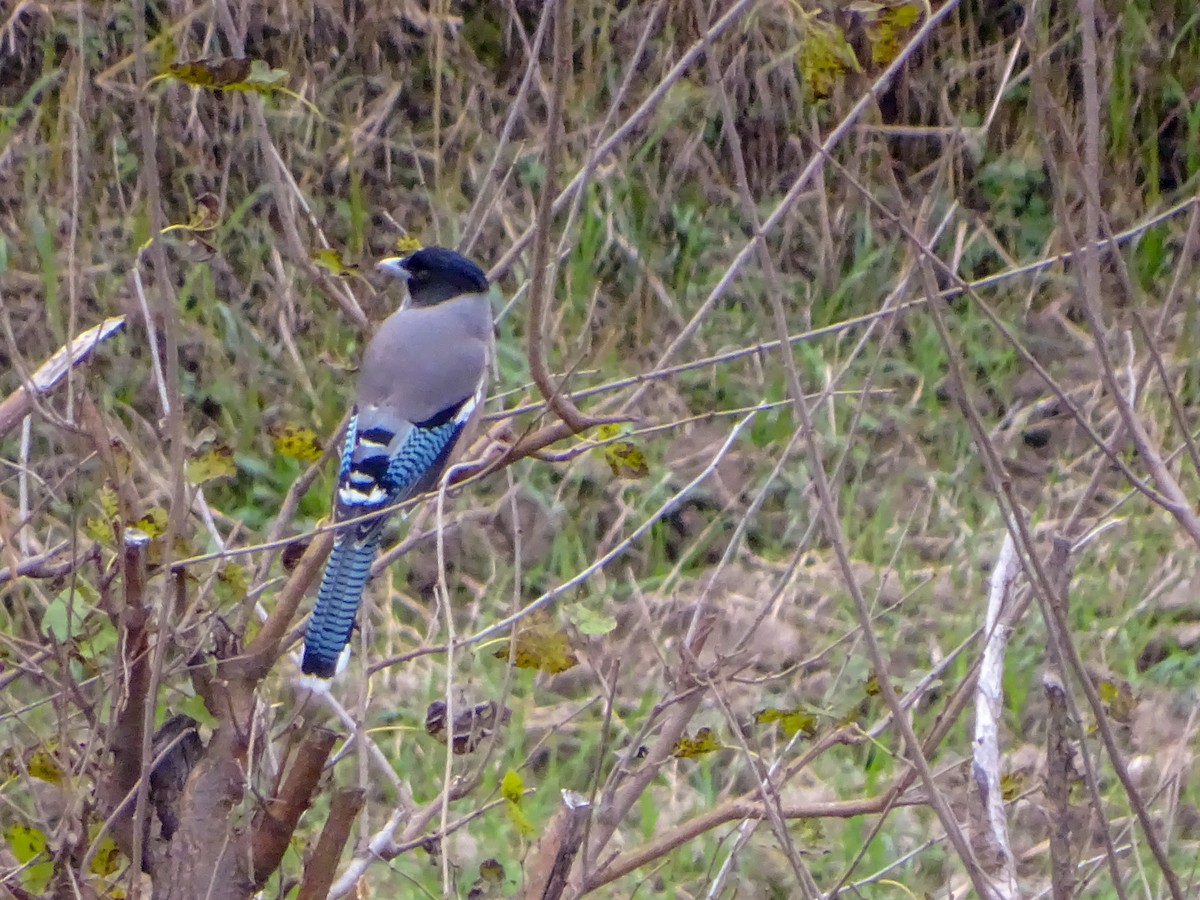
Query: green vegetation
[[294, 144]]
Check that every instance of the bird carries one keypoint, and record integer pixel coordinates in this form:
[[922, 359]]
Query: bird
[[422, 379]]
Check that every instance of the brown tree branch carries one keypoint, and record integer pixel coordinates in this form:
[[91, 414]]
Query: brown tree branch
[[540, 282], [125, 739], [263, 649], [321, 867], [276, 821], [732, 811], [1058, 786], [549, 862]]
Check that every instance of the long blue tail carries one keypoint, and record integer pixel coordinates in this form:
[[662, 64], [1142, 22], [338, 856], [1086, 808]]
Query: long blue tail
[[337, 602]]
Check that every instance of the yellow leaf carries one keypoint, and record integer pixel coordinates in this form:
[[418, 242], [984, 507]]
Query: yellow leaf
[[331, 260], [623, 457], [107, 859], [297, 442], [153, 524], [540, 645], [234, 577], [28, 844], [99, 530], [227, 74], [791, 721], [520, 821], [109, 504], [871, 688], [406, 245], [215, 74], [42, 765], [824, 57], [1117, 697], [512, 786], [1013, 785], [887, 31], [512, 790], [24, 841], [703, 743], [213, 463]]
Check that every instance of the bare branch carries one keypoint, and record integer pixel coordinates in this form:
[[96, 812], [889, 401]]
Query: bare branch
[[50, 374], [989, 837], [275, 822], [321, 867]]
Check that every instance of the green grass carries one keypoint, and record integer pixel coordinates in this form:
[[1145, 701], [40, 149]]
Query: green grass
[[915, 508]]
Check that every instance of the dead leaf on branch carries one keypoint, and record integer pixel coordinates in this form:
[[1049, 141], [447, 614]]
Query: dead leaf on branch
[[702, 744], [471, 726], [541, 645], [791, 721], [215, 461], [226, 74], [331, 260], [296, 441], [623, 456]]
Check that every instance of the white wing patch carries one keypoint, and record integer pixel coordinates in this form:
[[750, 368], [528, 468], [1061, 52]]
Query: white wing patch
[[351, 495]]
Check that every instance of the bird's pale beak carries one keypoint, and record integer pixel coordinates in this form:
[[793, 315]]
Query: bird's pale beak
[[394, 266]]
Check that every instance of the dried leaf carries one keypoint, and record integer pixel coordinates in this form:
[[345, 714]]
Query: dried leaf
[[824, 57], [624, 457], [215, 74], [228, 74], [290, 557], [331, 261], [888, 29], [1118, 699], [153, 524], [791, 721], [471, 726], [406, 245], [491, 876], [540, 645], [234, 577], [296, 441], [1013, 785], [42, 765], [703, 743], [216, 461]]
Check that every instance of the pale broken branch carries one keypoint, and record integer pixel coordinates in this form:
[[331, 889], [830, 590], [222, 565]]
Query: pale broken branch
[[989, 828], [20, 403]]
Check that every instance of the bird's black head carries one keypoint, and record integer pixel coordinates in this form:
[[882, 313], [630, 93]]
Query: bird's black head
[[436, 274]]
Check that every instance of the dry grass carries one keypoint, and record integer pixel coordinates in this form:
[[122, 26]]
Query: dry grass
[[817, 529]]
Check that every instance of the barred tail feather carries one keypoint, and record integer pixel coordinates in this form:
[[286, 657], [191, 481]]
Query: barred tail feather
[[337, 603]]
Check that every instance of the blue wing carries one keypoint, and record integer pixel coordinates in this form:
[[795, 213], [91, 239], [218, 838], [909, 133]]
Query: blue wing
[[382, 464]]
